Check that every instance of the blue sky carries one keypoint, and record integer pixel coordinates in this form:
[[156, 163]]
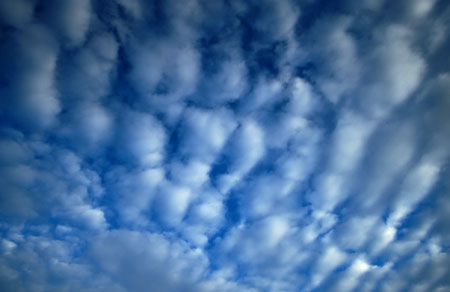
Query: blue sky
[[197, 145]]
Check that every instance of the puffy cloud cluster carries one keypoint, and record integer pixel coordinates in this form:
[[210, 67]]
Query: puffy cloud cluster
[[224, 145]]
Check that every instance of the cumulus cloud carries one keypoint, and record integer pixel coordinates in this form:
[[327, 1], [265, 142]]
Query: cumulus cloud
[[134, 192], [28, 74], [69, 19], [334, 49], [16, 13], [248, 139], [224, 145], [396, 70], [140, 139], [203, 133], [164, 71], [158, 253], [88, 71]]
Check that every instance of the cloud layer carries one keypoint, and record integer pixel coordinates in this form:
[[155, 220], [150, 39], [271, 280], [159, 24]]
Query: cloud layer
[[224, 145]]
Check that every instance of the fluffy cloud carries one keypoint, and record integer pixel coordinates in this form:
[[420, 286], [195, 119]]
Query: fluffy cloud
[[248, 138], [16, 13], [69, 19], [28, 74], [169, 266], [140, 139], [334, 50], [164, 71], [203, 133], [224, 145]]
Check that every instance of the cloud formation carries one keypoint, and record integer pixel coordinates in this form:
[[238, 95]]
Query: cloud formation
[[224, 145]]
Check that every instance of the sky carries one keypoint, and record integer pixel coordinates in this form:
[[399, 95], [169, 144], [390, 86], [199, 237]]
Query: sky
[[226, 145]]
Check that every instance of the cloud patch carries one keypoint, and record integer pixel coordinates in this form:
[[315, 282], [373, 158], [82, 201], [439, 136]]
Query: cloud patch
[[224, 145]]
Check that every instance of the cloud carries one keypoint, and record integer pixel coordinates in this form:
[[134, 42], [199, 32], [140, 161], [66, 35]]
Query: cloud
[[334, 51], [16, 13], [88, 216], [387, 85], [94, 127], [164, 71], [28, 74], [224, 145], [330, 260], [69, 19], [248, 138], [86, 74], [172, 203], [132, 7], [203, 133], [116, 251], [193, 173], [140, 139], [348, 146], [416, 185], [267, 248], [134, 192], [351, 278], [227, 82]]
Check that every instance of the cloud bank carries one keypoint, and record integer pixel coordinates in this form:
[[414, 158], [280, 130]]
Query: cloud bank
[[224, 145]]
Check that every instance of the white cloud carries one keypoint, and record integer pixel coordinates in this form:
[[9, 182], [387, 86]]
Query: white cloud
[[415, 187], [264, 93], [265, 195], [354, 233], [302, 99], [192, 174], [164, 71], [88, 216], [16, 12], [135, 193], [331, 258], [70, 19], [224, 146], [94, 127], [421, 8], [437, 91], [204, 133], [349, 141], [349, 280], [373, 276], [272, 231], [172, 203], [168, 264], [12, 152], [48, 258], [275, 20], [383, 235], [394, 150], [209, 210], [88, 72], [8, 246], [348, 148], [333, 48], [141, 139], [246, 147], [227, 84], [205, 216], [133, 7], [31, 90], [419, 273], [395, 72]]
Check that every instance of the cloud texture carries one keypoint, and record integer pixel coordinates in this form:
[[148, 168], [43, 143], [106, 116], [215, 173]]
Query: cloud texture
[[224, 145]]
